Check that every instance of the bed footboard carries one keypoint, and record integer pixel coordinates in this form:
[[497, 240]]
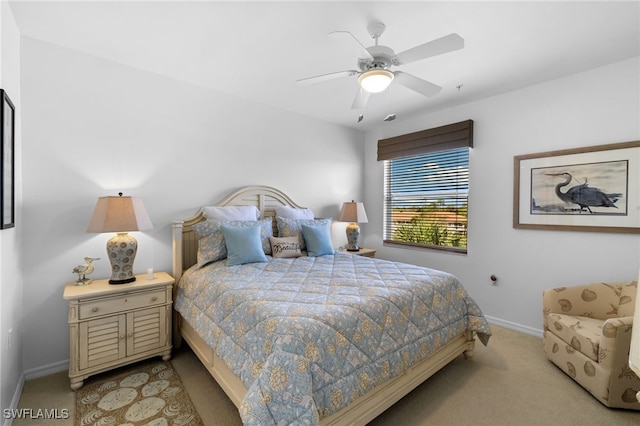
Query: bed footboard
[[362, 410], [369, 406]]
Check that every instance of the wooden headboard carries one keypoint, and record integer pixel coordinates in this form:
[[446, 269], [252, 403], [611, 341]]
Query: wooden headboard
[[185, 243]]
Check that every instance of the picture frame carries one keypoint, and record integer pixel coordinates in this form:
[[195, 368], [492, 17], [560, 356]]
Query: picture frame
[[592, 189], [7, 173]]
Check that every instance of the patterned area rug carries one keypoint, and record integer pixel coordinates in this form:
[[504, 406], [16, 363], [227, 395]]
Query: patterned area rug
[[149, 395]]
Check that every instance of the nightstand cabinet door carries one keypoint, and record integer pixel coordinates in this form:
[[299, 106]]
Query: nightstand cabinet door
[[102, 341], [146, 330]]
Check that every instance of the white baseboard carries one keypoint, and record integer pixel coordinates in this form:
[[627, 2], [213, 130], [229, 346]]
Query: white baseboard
[[514, 326], [33, 373], [45, 370]]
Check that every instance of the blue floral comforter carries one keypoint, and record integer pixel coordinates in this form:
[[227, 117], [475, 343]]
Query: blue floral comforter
[[309, 335]]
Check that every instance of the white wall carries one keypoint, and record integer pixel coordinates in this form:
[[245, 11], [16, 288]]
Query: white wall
[[597, 107], [93, 127], [10, 259]]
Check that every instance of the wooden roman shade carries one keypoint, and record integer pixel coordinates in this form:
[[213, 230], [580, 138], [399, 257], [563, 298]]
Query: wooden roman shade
[[451, 136]]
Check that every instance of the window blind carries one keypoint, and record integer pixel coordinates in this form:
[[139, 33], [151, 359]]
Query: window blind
[[427, 186], [426, 199], [451, 136]]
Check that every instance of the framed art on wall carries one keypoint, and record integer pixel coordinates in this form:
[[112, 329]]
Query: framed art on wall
[[595, 189], [7, 175]]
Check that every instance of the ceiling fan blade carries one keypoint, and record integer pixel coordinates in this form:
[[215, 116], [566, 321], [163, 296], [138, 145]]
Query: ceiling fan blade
[[346, 34], [361, 99], [417, 84], [325, 77], [431, 48]]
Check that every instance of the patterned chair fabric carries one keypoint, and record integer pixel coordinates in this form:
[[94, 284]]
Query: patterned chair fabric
[[587, 334]]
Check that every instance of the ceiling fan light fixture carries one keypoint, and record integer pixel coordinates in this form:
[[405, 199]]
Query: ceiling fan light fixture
[[375, 81]]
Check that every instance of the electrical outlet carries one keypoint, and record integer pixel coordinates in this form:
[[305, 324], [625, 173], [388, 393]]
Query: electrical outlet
[[9, 339]]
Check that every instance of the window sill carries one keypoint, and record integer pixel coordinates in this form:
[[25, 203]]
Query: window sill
[[459, 250]]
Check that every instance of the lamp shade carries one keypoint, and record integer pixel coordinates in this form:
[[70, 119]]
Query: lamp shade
[[376, 80], [353, 212], [119, 214]]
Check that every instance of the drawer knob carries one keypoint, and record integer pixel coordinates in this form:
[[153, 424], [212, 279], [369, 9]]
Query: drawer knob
[[94, 309], [154, 298]]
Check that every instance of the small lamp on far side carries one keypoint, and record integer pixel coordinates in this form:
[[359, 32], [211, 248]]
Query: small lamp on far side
[[121, 215], [353, 212]]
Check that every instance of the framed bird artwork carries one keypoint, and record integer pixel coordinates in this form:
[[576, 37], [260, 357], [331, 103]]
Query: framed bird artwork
[[593, 189]]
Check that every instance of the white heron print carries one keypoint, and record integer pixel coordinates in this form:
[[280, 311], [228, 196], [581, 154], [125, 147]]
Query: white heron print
[[593, 188]]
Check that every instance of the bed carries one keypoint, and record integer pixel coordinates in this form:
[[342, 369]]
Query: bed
[[331, 339]]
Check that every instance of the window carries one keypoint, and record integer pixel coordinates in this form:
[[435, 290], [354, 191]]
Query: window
[[426, 187]]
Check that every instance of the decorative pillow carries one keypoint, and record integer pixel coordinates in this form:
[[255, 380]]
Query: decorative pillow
[[224, 213], [211, 243], [293, 213], [293, 227], [318, 239], [285, 247], [243, 244]]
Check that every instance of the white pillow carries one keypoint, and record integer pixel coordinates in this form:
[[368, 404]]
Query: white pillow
[[225, 213], [293, 213]]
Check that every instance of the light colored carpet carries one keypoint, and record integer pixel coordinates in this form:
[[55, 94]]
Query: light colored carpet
[[508, 383]]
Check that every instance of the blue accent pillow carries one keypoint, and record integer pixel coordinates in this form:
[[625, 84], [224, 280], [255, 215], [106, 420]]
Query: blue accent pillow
[[243, 244], [318, 239]]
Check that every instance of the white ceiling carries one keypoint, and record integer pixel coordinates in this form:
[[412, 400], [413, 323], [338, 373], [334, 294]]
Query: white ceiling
[[257, 50]]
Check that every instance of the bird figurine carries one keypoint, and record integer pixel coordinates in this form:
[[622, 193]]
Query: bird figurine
[[84, 270]]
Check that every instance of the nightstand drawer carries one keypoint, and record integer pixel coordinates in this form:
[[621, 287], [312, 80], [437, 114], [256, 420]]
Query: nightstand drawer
[[112, 305]]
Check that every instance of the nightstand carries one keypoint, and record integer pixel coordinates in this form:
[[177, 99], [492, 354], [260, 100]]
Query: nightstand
[[366, 252], [113, 325]]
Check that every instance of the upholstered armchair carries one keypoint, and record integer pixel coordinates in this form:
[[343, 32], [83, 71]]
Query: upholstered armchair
[[587, 333]]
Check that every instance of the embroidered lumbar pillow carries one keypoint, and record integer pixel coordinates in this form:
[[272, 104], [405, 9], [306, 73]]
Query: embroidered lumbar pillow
[[285, 247]]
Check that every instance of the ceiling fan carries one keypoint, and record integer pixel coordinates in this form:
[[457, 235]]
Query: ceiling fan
[[374, 74]]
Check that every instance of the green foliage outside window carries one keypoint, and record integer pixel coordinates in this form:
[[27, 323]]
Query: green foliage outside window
[[424, 228]]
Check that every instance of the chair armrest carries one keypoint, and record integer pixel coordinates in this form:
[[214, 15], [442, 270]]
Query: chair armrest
[[597, 300], [613, 353]]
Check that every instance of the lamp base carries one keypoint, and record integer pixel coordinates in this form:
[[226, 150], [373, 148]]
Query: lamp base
[[121, 250], [353, 233], [129, 280]]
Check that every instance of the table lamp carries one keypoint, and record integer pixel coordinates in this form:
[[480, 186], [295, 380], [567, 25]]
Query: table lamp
[[121, 215], [353, 212]]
